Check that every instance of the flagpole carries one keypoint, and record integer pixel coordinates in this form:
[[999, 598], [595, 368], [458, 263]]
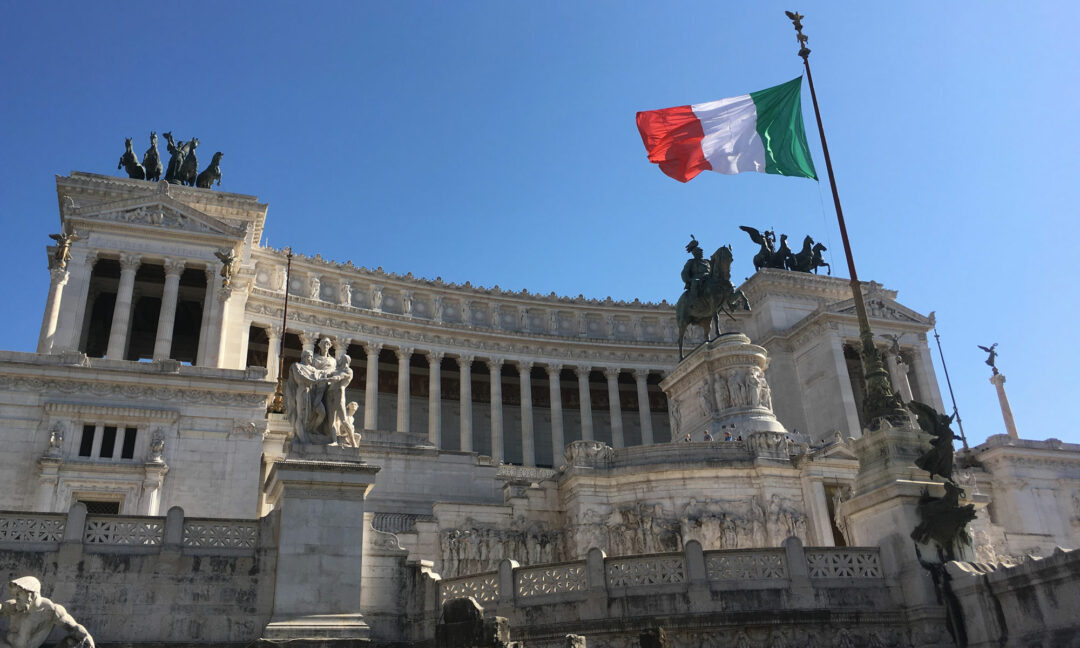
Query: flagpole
[[277, 405], [880, 400]]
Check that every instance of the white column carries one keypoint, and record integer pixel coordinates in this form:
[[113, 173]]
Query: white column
[[641, 376], [150, 500], [465, 371], [497, 445], [371, 387], [47, 480], [528, 444], [129, 265], [403, 388], [273, 352], [614, 406], [821, 514], [341, 345], [207, 349], [847, 395], [998, 380], [167, 313], [68, 333], [585, 402], [898, 374], [308, 340], [435, 398], [558, 444], [58, 278]]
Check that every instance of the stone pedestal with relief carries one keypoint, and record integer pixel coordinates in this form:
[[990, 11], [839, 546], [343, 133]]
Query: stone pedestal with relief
[[721, 387], [319, 493]]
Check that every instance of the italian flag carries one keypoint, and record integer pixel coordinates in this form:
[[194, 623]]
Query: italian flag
[[762, 131]]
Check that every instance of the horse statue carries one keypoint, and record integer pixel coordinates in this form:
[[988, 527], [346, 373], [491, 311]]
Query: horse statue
[[767, 240], [176, 159], [211, 174], [783, 255], [189, 169], [716, 294], [809, 257], [151, 161], [131, 163]]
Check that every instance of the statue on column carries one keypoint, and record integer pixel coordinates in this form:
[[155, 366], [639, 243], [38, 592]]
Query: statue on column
[[31, 617], [315, 398], [63, 248], [991, 360], [708, 290], [228, 259]]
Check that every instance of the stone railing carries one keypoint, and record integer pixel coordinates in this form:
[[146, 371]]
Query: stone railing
[[112, 533], [788, 567]]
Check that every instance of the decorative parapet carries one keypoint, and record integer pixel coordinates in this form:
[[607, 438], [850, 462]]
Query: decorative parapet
[[31, 527], [531, 474], [787, 567], [120, 533]]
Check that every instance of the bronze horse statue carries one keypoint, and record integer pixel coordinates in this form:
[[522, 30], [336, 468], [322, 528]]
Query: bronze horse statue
[[717, 293], [809, 257], [131, 163], [212, 173], [151, 161], [189, 168]]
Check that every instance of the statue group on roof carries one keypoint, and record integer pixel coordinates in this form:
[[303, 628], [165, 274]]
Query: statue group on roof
[[183, 166]]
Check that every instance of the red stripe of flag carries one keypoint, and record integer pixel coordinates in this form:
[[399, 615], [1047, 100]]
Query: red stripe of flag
[[672, 137]]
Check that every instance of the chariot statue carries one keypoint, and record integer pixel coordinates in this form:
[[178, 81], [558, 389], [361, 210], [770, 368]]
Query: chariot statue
[[707, 291]]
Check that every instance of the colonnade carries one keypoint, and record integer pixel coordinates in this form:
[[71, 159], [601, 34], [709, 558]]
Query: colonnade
[[497, 419]]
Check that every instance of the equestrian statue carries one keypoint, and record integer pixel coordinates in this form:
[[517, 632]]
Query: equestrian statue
[[151, 161], [808, 258], [708, 290]]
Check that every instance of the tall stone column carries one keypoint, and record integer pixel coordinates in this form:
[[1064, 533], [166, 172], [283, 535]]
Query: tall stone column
[[558, 443], [465, 371], [898, 374], [341, 345], [528, 443], [47, 481], [307, 340], [207, 347], [435, 398], [585, 402], [273, 352], [129, 265], [495, 368], [58, 278], [820, 511], [403, 388], [68, 333], [371, 387], [998, 381], [150, 499], [641, 376], [167, 314], [614, 406]]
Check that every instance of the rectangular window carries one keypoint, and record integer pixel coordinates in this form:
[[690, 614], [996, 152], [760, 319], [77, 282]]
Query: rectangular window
[[100, 507], [108, 442], [86, 445], [128, 449]]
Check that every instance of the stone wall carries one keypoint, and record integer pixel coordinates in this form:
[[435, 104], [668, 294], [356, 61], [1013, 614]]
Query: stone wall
[[148, 579], [1030, 604]]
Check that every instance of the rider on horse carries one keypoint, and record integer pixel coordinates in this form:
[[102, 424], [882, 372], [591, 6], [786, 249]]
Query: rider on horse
[[696, 270]]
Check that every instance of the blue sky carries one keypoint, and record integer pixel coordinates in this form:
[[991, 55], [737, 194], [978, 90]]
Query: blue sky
[[494, 142]]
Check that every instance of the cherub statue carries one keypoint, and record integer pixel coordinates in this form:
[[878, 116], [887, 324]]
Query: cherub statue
[[228, 265], [31, 617], [63, 248], [993, 355]]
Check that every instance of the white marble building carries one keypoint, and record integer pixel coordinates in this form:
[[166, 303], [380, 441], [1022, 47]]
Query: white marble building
[[506, 425]]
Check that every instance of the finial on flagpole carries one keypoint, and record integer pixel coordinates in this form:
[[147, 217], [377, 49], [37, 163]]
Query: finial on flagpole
[[796, 19]]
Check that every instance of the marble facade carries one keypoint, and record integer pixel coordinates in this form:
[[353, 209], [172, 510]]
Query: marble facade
[[508, 430]]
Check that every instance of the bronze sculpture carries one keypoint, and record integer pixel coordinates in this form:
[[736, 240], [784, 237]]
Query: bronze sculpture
[[151, 161], [63, 248], [708, 290], [211, 174], [130, 163], [767, 241], [938, 460], [176, 158], [189, 168], [991, 360], [808, 258]]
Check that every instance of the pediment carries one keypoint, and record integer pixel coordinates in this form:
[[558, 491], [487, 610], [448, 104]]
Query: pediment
[[158, 211], [839, 450], [879, 308]]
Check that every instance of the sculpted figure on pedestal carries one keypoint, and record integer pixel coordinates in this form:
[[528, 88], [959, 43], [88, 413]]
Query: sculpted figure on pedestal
[[938, 460], [56, 439], [31, 617], [315, 398], [708, 291], [63, 248], [228, 265]]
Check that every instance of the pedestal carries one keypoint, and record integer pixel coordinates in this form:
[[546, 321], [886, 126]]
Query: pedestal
[[321, 502], [998, 380], [721, 387]]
